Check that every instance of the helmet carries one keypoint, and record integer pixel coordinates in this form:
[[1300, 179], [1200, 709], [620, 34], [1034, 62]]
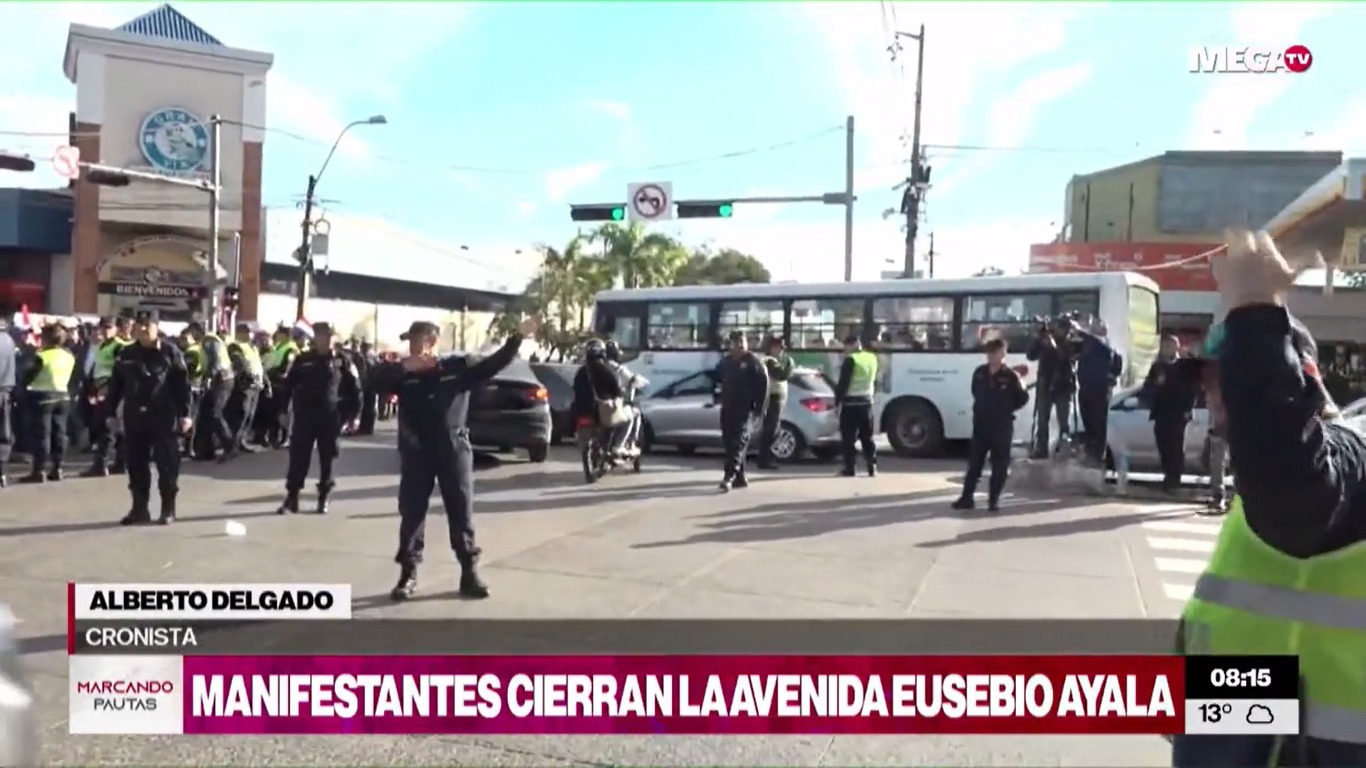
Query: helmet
[[613, 351], [594, 350]]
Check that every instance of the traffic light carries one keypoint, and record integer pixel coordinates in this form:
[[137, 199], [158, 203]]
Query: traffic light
[[602, 212], [20, 163], [705, 210], [107, 178]]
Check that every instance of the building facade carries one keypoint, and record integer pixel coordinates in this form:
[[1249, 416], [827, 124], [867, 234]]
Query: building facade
[[35, 246], [145, 93]]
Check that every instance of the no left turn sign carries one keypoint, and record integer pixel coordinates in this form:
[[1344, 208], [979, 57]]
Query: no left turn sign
[[650, 201], [66, 161]]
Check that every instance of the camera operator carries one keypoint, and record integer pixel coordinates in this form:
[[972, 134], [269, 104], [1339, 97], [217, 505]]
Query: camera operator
[[1098, 371], [1056, 349]]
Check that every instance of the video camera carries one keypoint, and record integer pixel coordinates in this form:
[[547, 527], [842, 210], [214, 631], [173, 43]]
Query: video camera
[[1068, 323]]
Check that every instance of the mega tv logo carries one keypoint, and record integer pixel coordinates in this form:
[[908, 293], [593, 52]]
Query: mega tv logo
[[1250, 60]]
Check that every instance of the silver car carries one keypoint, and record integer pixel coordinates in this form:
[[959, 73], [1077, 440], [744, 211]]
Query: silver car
[[18, 738], [683, 414], [1130, 430]]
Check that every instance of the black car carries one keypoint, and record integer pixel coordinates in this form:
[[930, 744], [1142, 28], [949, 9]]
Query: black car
[[512, 412], [558, 379]]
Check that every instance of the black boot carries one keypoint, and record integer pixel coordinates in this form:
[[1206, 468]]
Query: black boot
[[290, 506], [140, 514], [167, 508], [725, 484], [324, 491], [872, 469], [118, 467], [847, 472], [33, 477], [964, 503], [55, 475], [741, 481], [407, 584], [97, 469], [471, 586]]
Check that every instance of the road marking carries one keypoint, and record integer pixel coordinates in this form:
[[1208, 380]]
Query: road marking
[[1181, 526], [1181, 545], [1180, 565], [1180, 592]]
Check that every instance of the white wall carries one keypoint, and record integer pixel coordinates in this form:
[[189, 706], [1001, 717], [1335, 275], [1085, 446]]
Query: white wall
[[381, 323]]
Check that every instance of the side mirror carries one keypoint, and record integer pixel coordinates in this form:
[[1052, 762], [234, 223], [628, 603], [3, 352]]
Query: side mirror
[[1131, 403]]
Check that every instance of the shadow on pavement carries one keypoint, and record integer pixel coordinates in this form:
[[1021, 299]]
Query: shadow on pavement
[[116, 512], [1096, 524]]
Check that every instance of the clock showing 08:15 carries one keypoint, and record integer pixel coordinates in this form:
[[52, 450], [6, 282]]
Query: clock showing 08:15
[[1220, 677]]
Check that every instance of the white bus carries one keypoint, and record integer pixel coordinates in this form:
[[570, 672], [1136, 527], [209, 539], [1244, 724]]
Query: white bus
[[928, 334]]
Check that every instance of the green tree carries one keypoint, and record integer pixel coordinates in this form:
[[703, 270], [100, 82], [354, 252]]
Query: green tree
[[640, 258], [725, 267]]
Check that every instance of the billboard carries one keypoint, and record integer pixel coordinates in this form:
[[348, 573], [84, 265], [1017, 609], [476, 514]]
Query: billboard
[[1173, 266]]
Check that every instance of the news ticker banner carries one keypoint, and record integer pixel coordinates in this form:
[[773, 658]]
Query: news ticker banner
[[683, 695]]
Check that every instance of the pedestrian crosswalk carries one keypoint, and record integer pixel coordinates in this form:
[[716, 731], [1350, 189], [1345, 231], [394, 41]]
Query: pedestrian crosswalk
[[1181, 548]]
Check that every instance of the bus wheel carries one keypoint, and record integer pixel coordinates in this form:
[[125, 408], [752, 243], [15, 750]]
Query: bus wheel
[[915, 430]]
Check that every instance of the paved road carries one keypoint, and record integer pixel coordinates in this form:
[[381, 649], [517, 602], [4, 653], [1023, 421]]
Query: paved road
[[663, 543]]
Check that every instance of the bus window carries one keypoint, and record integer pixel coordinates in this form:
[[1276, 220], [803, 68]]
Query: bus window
[[1006, 316], [1143, 339], [918, 323], [680, 326], [825, 323], [758, 319], [620, 322], [1085, 304]]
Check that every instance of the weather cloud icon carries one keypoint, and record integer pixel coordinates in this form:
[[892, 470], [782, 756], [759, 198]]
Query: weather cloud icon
[[1258, 714]]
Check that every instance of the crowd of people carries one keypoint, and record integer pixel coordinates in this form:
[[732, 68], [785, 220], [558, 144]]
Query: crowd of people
[[56, 408]]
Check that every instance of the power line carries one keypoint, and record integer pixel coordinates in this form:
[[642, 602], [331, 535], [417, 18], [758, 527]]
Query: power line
[[422, 159]]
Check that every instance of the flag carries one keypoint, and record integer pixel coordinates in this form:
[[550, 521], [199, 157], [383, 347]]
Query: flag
[[303, 326]]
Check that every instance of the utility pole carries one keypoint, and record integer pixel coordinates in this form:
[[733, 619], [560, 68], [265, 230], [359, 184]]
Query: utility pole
[[215, 209], [918, 182], [305, 256], [849, 199]]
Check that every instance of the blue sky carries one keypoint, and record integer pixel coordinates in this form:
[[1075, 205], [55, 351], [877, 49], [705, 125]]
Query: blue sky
[[501, 114]]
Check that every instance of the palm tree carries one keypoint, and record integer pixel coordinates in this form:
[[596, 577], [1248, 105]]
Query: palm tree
[[641, 258]]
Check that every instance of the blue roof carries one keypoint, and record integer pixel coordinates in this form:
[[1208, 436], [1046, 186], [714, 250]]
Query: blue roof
[[167, 23]]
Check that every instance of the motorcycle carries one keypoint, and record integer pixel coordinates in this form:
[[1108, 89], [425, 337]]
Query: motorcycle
[[595, 450]]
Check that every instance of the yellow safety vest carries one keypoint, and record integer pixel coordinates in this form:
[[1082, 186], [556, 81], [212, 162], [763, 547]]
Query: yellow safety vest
[[279, 354], [1252, 599], [194, 362], [55, 375], [105, 357], [253, 359], [864, 378], [224, 362]]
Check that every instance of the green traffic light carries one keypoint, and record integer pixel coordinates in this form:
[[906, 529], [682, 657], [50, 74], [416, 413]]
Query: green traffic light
[[725, 211], [618, 214]]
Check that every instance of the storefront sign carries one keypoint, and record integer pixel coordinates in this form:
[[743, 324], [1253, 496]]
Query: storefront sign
[[174, 141], [1173, 266], [152, 283]]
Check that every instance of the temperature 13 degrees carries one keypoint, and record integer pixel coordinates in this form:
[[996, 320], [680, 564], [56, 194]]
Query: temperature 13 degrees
[[1212, 712]]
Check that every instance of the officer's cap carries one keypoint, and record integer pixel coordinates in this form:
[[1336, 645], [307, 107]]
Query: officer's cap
[[150, 316], [244, 328], [106, 323], [420, 328]]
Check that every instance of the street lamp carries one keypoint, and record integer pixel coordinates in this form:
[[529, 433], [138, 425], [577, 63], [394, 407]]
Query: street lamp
[[305, 254]]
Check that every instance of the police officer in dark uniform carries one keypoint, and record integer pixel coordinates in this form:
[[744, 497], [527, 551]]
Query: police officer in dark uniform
[[366, 359], [325, 392], [111, 336], [997, 393], [152, 384], [1170, 394], [742, 392], [854, 393], [434, 448]]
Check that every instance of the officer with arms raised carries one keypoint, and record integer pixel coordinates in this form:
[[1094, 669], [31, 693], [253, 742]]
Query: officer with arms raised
[[152, 384], [1288, 575], [326, 396], [854, 397], [434, 447], [49, 398]]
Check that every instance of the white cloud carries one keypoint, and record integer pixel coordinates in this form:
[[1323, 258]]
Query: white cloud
[[960, 53], [1013, 116], [526, 209], [616, 109], [1232, 102], [560, 182]]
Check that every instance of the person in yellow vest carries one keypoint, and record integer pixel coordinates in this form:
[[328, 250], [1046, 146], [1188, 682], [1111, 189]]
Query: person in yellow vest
[[48, 383], [249, 379], [193, 357], [854, 393], [1288, 574], [212, 434], [283, 351], [110, 337]]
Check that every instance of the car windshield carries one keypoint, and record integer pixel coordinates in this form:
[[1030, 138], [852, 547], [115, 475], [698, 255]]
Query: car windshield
[[811, 381]]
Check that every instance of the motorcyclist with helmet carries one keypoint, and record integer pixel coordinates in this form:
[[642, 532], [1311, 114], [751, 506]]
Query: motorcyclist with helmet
[[631, 385], [596, 386]]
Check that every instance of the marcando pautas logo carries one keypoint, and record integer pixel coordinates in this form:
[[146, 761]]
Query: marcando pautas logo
[[174, 140]]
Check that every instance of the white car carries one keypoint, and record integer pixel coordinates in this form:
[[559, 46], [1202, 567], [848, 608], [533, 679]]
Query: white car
[[18, 738], [1130, 430]]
